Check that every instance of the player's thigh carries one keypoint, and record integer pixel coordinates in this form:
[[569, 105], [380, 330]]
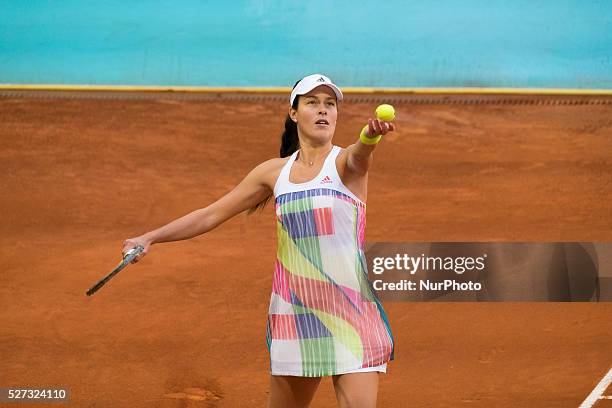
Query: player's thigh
[[356, 390], [292, 391]]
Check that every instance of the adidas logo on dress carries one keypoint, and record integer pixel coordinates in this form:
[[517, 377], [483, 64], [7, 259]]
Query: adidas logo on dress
[[326, 180]]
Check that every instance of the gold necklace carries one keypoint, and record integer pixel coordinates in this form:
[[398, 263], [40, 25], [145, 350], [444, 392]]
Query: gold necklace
[[310, 163]]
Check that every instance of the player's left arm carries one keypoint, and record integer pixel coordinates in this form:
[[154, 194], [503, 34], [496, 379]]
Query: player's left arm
[[360, 155]]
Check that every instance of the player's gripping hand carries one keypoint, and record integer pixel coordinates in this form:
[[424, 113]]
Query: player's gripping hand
[[132, 243]]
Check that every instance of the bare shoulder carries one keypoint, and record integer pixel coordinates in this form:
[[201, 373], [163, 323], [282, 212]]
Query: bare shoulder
[[269, 170], [342, 161], [356, 182]]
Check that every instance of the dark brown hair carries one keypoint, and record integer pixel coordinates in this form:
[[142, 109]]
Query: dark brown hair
[[289, 144]]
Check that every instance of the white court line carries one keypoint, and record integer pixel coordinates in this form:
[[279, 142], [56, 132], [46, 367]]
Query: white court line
[[597, 391]]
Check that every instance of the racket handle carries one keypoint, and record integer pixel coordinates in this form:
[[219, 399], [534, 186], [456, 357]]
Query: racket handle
[[136, 249], [127, 258]]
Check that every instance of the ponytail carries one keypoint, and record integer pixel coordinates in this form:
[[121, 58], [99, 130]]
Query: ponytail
[[289, 144], [289, 140]]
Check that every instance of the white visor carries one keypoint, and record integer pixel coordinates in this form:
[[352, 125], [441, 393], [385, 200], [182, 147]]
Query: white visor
[[310, 82]]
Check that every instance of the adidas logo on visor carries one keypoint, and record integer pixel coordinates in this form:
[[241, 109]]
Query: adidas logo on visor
[[310, 82]]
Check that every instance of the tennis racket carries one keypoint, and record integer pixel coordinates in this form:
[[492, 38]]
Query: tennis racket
[[127, 258]]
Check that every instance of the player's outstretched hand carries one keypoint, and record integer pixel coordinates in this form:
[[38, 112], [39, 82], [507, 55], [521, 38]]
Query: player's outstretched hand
[[134, 242], [378, 127]]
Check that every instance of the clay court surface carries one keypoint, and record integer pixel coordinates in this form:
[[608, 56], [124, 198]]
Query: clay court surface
[[186, 326]]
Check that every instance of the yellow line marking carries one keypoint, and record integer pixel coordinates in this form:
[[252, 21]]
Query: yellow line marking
[[287, 90]]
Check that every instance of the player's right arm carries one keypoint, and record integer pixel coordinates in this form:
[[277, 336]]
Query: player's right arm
[[254, 188]]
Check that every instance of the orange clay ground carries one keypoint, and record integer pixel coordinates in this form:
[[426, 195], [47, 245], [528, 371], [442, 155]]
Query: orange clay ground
[[186, 326]]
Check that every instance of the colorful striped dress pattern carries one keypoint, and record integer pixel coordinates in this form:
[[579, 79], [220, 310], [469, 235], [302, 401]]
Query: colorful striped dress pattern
[[324, 316]]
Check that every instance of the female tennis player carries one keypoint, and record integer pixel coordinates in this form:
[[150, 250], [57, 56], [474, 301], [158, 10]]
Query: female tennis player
[[324, 316]]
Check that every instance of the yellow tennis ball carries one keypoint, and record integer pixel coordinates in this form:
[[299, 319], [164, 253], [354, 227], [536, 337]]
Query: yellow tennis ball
[[385, 112]]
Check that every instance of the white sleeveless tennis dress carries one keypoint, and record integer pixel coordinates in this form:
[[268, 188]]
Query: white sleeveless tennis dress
[[324, 316]]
